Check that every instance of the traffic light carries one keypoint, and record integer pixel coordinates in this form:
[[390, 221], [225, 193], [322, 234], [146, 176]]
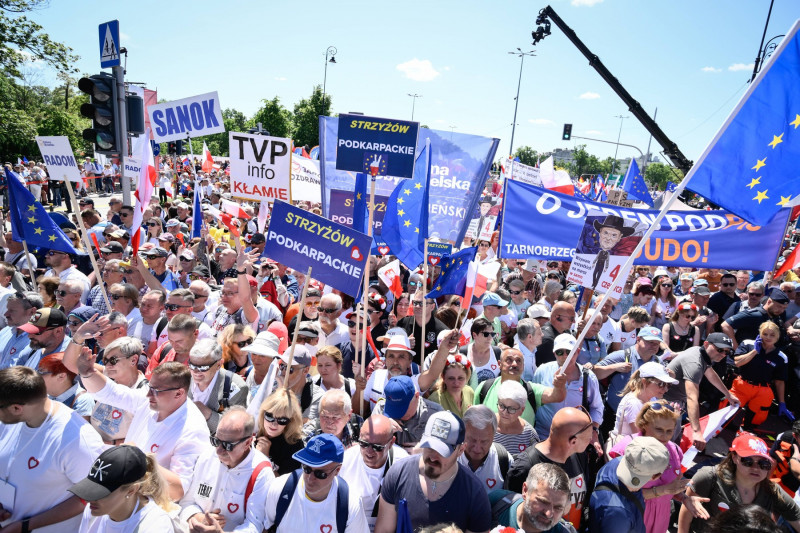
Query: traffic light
[[178, 147], [171, 148], [102, 109], [567, 135]]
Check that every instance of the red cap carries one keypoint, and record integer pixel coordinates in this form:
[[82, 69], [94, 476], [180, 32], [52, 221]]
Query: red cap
[[252, 281], [748, 445]]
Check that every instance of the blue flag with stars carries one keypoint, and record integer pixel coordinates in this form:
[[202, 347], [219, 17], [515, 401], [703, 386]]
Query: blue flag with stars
[[360, 212], [671, 186], [30, 222], [751, 167], [635, 186], [453, 279], [405, 225]]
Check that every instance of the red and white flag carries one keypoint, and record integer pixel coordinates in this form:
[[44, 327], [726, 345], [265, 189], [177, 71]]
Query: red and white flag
[[225, 218], [233, 209], [390, 275], [144, 189], [558, 181], [208, 163], [792, 261], [263, 216]]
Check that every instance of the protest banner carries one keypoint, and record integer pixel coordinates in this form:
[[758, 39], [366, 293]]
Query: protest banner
[[305, 180], [341, 209], [58, 156], [437, 250], [542, 224], [261, 167], [514, 170], [188, 117], [299, 239], [376, 145], [604, 245]]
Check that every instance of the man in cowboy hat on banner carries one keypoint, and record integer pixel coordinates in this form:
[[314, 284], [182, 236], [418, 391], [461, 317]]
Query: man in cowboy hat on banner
[[610, 231]]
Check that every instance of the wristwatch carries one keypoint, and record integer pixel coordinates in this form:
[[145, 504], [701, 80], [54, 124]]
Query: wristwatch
[[23, 528]]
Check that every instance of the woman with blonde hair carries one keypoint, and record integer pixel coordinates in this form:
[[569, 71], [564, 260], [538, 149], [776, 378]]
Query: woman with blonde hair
[[280, 430], [125, 492], [233, 339], [329, 367], [452, 391], [649, 382]]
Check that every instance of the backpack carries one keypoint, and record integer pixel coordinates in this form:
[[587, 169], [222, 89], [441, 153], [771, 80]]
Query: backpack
[[486, 385], [224, 403], [501, 506], [503, 460], [342, 498]]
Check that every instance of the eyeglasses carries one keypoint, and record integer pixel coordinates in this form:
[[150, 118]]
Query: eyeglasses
[[228, 446], [155, 392], [723, 351], [763, 464], [327, 310], [376, 447], [587, 426], [514, 293], [487, 334], [246, 342], [319, 474], [282, 368], [113, 360], [419, 304], [74, 323], [175, 307], [331, 418], [727, 284], [507, 408], [272, 419], [201, 368], [561, 352]]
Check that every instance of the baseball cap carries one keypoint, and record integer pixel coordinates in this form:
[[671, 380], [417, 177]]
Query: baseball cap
[[114, 468], [654, 370], [399, 342], [399, 391], [644, 457], [301, 357], [391, 332], [443, 432], [699, 282], [83, 312], [564, 341], [188, 254], [157, 252], [642, 281], [112, 247], [43, 319], [491, 298], [720, 340], [266, 343], [171, 223], [701, 290], [201, 270], [257, 238], [308, 330], [538, 311], [778, 296], [321, 450], [650, 333], [687, 275], [182, 205], [748, 445], [85, 201], [166, 237]]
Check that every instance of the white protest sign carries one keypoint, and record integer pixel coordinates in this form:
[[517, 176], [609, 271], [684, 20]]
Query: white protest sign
[[524, 173], [58, 157], [132, 165], [188, 117], [261, 167], [305, 180]]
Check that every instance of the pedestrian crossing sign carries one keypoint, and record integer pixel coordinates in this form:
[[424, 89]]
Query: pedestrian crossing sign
[[109, 44]]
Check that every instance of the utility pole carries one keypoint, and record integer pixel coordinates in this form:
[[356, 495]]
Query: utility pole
[[521, 55]]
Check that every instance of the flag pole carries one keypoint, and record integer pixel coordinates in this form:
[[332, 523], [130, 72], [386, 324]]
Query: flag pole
[[424, 290], [85, 239], [30, 264], [296, 329], [371, 207]]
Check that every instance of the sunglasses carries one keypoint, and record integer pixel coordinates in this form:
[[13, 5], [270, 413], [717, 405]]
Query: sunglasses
[[419, 304], [508, 409], [185, 259], [74, 323], [199, 296], [201, 368], [487, 334], [242, 344], [113, 360], [763, 464], [100, 334], [755, 294], [376, 447], [561, 352], [691, 317], [319, 474], [661, 385], [228, 446], [116, 297], [155, 392], [327, 310], [666, 285], [659, 406], [352, 324], [43, 372], [124, 214], [727, 284], [152, 224], [126, 270], [584, 428], [175, 307], [280, 420], [514, 293], [725, 352], [62, 293], [282, 368]]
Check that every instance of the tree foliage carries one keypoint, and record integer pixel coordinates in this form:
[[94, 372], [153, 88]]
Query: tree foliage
[[306, 117], [659, 174], [527, 155], [274, 118]]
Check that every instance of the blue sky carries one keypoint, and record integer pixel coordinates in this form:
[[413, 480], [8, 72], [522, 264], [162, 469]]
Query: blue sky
[[691, 59]]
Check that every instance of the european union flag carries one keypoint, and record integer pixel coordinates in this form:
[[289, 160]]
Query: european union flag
[[751, 166], [197, 218], [635, 186], [405, 225], [671, 186], [600, 189], [453, 279], [360, 213], [30, 222]]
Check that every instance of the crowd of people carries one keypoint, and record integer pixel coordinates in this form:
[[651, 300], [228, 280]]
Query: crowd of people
[[201, 386]]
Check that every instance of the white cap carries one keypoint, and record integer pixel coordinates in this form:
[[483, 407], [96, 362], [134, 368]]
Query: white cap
[[654, 370]]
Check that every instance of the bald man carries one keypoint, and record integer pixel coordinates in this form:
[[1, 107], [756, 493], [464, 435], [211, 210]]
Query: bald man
[[365, 466], [570, 433], [561, 318]]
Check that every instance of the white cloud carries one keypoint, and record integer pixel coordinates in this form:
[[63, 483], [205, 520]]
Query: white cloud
[[440, 121], [711, 69], [594, 132], [280, 78], [585, 3], [540, 121], [447, 68], [418, 70], [736, 67], [589, 96]]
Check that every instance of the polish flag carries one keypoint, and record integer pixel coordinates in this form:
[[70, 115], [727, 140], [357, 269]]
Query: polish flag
[[465, 333], [390, 275], [225, 218], [558, 181], [472, 273], [144, 189], [208, 163], [233, 209], [263, 216], [792, 261]]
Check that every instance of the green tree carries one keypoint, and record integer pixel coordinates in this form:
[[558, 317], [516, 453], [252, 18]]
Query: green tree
[[659, 174], [306, 117], [527, 155], [274, 118]]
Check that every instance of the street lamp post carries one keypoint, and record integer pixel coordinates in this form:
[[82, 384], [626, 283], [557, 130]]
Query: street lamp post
[[413, 103], [521, 55], [330, 52], [614, 163]]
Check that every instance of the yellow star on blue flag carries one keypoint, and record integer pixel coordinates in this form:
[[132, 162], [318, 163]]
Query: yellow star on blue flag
[[30, 222], [453, 279], [751, 166], [635, 186]]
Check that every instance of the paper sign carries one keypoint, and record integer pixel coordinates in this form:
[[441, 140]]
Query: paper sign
[[188, 117], [261, 167], [524, 173], [437, 250], [305, 180], [58, 157], [336, 254], [376, 146]]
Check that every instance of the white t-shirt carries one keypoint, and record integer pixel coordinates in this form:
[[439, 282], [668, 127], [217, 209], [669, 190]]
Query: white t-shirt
[[489, 472], [339, 335], [366, 481], [610, 331], [177, 441], [267, 312], [627, 411], [215, 486], [306, 515], [151, 517], [42, 463], [73, 274], [377, 382], [112, 422], [627, 338]]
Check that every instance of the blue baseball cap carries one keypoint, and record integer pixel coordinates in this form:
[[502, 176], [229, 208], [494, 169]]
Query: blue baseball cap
[[491, 298], [649, 333], [399, 391], [321, 450]]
